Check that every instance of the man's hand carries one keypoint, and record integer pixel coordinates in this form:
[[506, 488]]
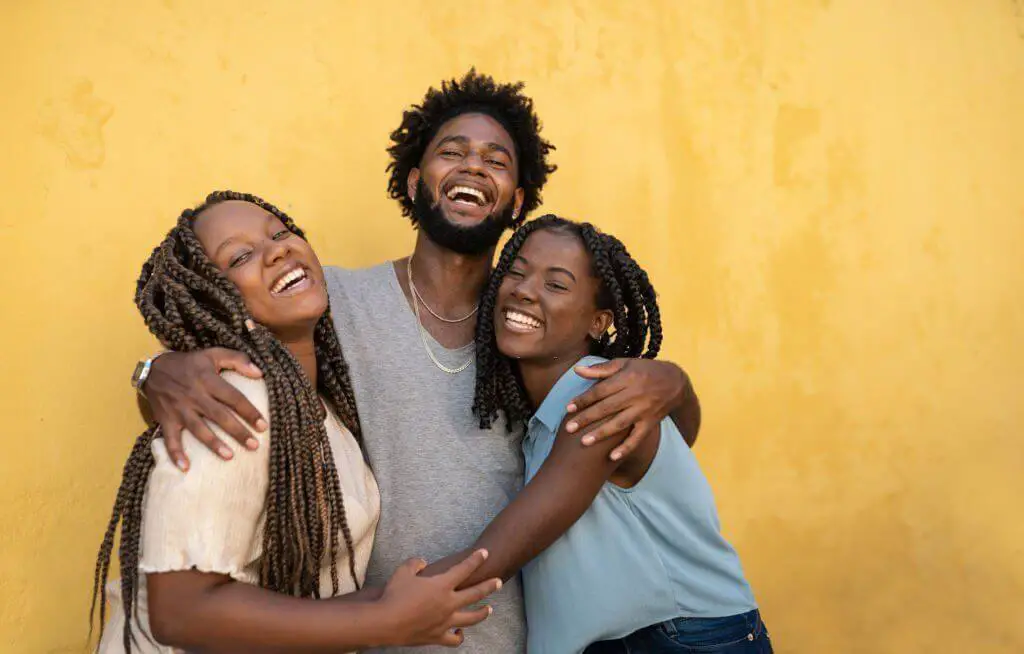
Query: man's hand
[[634, 395], [185, 390]]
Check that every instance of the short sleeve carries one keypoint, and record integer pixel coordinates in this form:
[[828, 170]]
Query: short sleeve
[[209, 518]]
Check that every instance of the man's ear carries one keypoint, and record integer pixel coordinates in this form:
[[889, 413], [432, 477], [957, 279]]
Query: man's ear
[[518, 197], [411, 182]]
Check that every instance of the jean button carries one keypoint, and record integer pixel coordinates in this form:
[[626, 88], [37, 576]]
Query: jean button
[[750, 637]]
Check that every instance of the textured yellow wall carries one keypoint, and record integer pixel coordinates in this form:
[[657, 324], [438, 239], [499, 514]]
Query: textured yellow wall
[[829, 196]]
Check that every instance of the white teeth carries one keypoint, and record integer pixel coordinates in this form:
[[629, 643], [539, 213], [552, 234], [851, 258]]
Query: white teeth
[[521, 319], [288, 278], [476, 193]]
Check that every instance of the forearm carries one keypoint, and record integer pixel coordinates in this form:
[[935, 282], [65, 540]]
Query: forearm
[[509, 547], [552, 502], [364, 594], [686, 414], [238, 617]]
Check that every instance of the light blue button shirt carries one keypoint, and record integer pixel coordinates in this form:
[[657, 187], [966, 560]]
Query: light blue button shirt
[[638, 556]]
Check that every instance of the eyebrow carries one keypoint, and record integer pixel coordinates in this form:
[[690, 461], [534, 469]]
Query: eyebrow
[[550, 268], [464, 140], [222, 245], [232, 239]]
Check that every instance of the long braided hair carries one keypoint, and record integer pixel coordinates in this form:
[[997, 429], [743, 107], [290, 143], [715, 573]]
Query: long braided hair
[[189, 305], [624, 289]]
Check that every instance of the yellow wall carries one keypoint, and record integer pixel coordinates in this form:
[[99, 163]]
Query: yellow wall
[[829, 196]]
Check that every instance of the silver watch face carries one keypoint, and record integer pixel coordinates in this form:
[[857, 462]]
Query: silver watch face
[[137, 375]]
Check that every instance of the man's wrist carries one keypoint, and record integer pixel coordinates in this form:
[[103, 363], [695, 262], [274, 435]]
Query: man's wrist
[[142, 370]]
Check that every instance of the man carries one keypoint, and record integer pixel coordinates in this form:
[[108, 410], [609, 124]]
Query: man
[[466, 164]]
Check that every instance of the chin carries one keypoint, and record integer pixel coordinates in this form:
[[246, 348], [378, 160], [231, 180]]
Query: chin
[[459, 220], [513, 348], [297, 320]]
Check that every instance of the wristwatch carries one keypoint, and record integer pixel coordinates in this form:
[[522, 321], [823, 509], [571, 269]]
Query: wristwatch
[[142, 369]]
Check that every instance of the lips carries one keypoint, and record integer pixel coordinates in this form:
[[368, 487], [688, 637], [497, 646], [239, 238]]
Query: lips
[[293, 280]]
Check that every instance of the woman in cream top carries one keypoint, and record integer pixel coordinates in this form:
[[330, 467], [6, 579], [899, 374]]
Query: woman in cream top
[[231, 555], [211, 518]]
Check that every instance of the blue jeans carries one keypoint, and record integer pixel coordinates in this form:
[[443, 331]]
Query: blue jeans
[[736, 634]]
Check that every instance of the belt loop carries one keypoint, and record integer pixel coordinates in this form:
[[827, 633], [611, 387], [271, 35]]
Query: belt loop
[[670, 627]]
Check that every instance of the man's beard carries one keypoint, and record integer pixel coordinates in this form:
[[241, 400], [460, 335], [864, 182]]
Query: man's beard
[[471, 241]]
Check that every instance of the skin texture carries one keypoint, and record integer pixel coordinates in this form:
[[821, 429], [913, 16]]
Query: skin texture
[[193, 609]]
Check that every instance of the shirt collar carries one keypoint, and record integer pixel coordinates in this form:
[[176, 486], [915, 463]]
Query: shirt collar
[[552, 409]]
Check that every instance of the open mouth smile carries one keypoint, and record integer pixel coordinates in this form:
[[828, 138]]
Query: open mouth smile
[[291, 282]]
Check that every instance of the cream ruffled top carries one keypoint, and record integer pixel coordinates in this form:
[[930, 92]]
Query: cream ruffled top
[[211, 518]]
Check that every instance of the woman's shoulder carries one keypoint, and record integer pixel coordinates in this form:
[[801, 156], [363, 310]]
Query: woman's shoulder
[[200, 456]]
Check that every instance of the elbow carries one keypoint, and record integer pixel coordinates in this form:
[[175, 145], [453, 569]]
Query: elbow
[[164, 628], [168, 624]]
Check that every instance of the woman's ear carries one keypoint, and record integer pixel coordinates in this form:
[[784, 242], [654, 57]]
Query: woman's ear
[[603, 319]]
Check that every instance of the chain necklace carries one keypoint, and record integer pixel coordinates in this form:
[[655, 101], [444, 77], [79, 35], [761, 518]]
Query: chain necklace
[[423, 330], [426, 306]]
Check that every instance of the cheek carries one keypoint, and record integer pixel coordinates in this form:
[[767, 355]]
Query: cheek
[[568, 323], [434, 172], [506, 185], [254, 293]]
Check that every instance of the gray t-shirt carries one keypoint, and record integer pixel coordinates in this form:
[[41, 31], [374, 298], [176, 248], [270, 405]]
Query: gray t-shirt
[[441, 477]]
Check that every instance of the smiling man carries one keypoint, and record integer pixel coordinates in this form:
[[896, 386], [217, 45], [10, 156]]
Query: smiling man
[[467, 164]]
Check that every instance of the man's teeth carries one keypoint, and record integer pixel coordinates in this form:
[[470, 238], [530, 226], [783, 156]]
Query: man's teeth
[[294, 276], [455, 191], [521, 319]]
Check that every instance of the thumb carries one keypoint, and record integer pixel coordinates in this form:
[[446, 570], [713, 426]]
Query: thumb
[[225, 359], [600, 370]]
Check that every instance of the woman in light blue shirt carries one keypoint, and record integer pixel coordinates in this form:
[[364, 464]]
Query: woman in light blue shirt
[[616, 555]]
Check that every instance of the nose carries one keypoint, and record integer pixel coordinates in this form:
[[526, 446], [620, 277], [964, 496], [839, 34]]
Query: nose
[[473, 164], [524, 290], [275, 251]]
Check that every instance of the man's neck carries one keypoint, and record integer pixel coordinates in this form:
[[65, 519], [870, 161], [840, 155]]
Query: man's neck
[[449, 281]]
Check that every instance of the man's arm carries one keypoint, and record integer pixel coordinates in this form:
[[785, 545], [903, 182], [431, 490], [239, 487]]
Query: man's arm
[[553, 501], [634, 395]]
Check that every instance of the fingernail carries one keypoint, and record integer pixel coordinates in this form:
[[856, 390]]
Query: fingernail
[[224, 453], [571, 408], [571, 427], [490, 610], [588, 440], [252, 443], [499, 585], [484, 553], [182, 465], [256, 370], [616, 456], [261, 425]]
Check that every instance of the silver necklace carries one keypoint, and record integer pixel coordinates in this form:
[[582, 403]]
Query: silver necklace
[[416, 292], [423, 332]]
